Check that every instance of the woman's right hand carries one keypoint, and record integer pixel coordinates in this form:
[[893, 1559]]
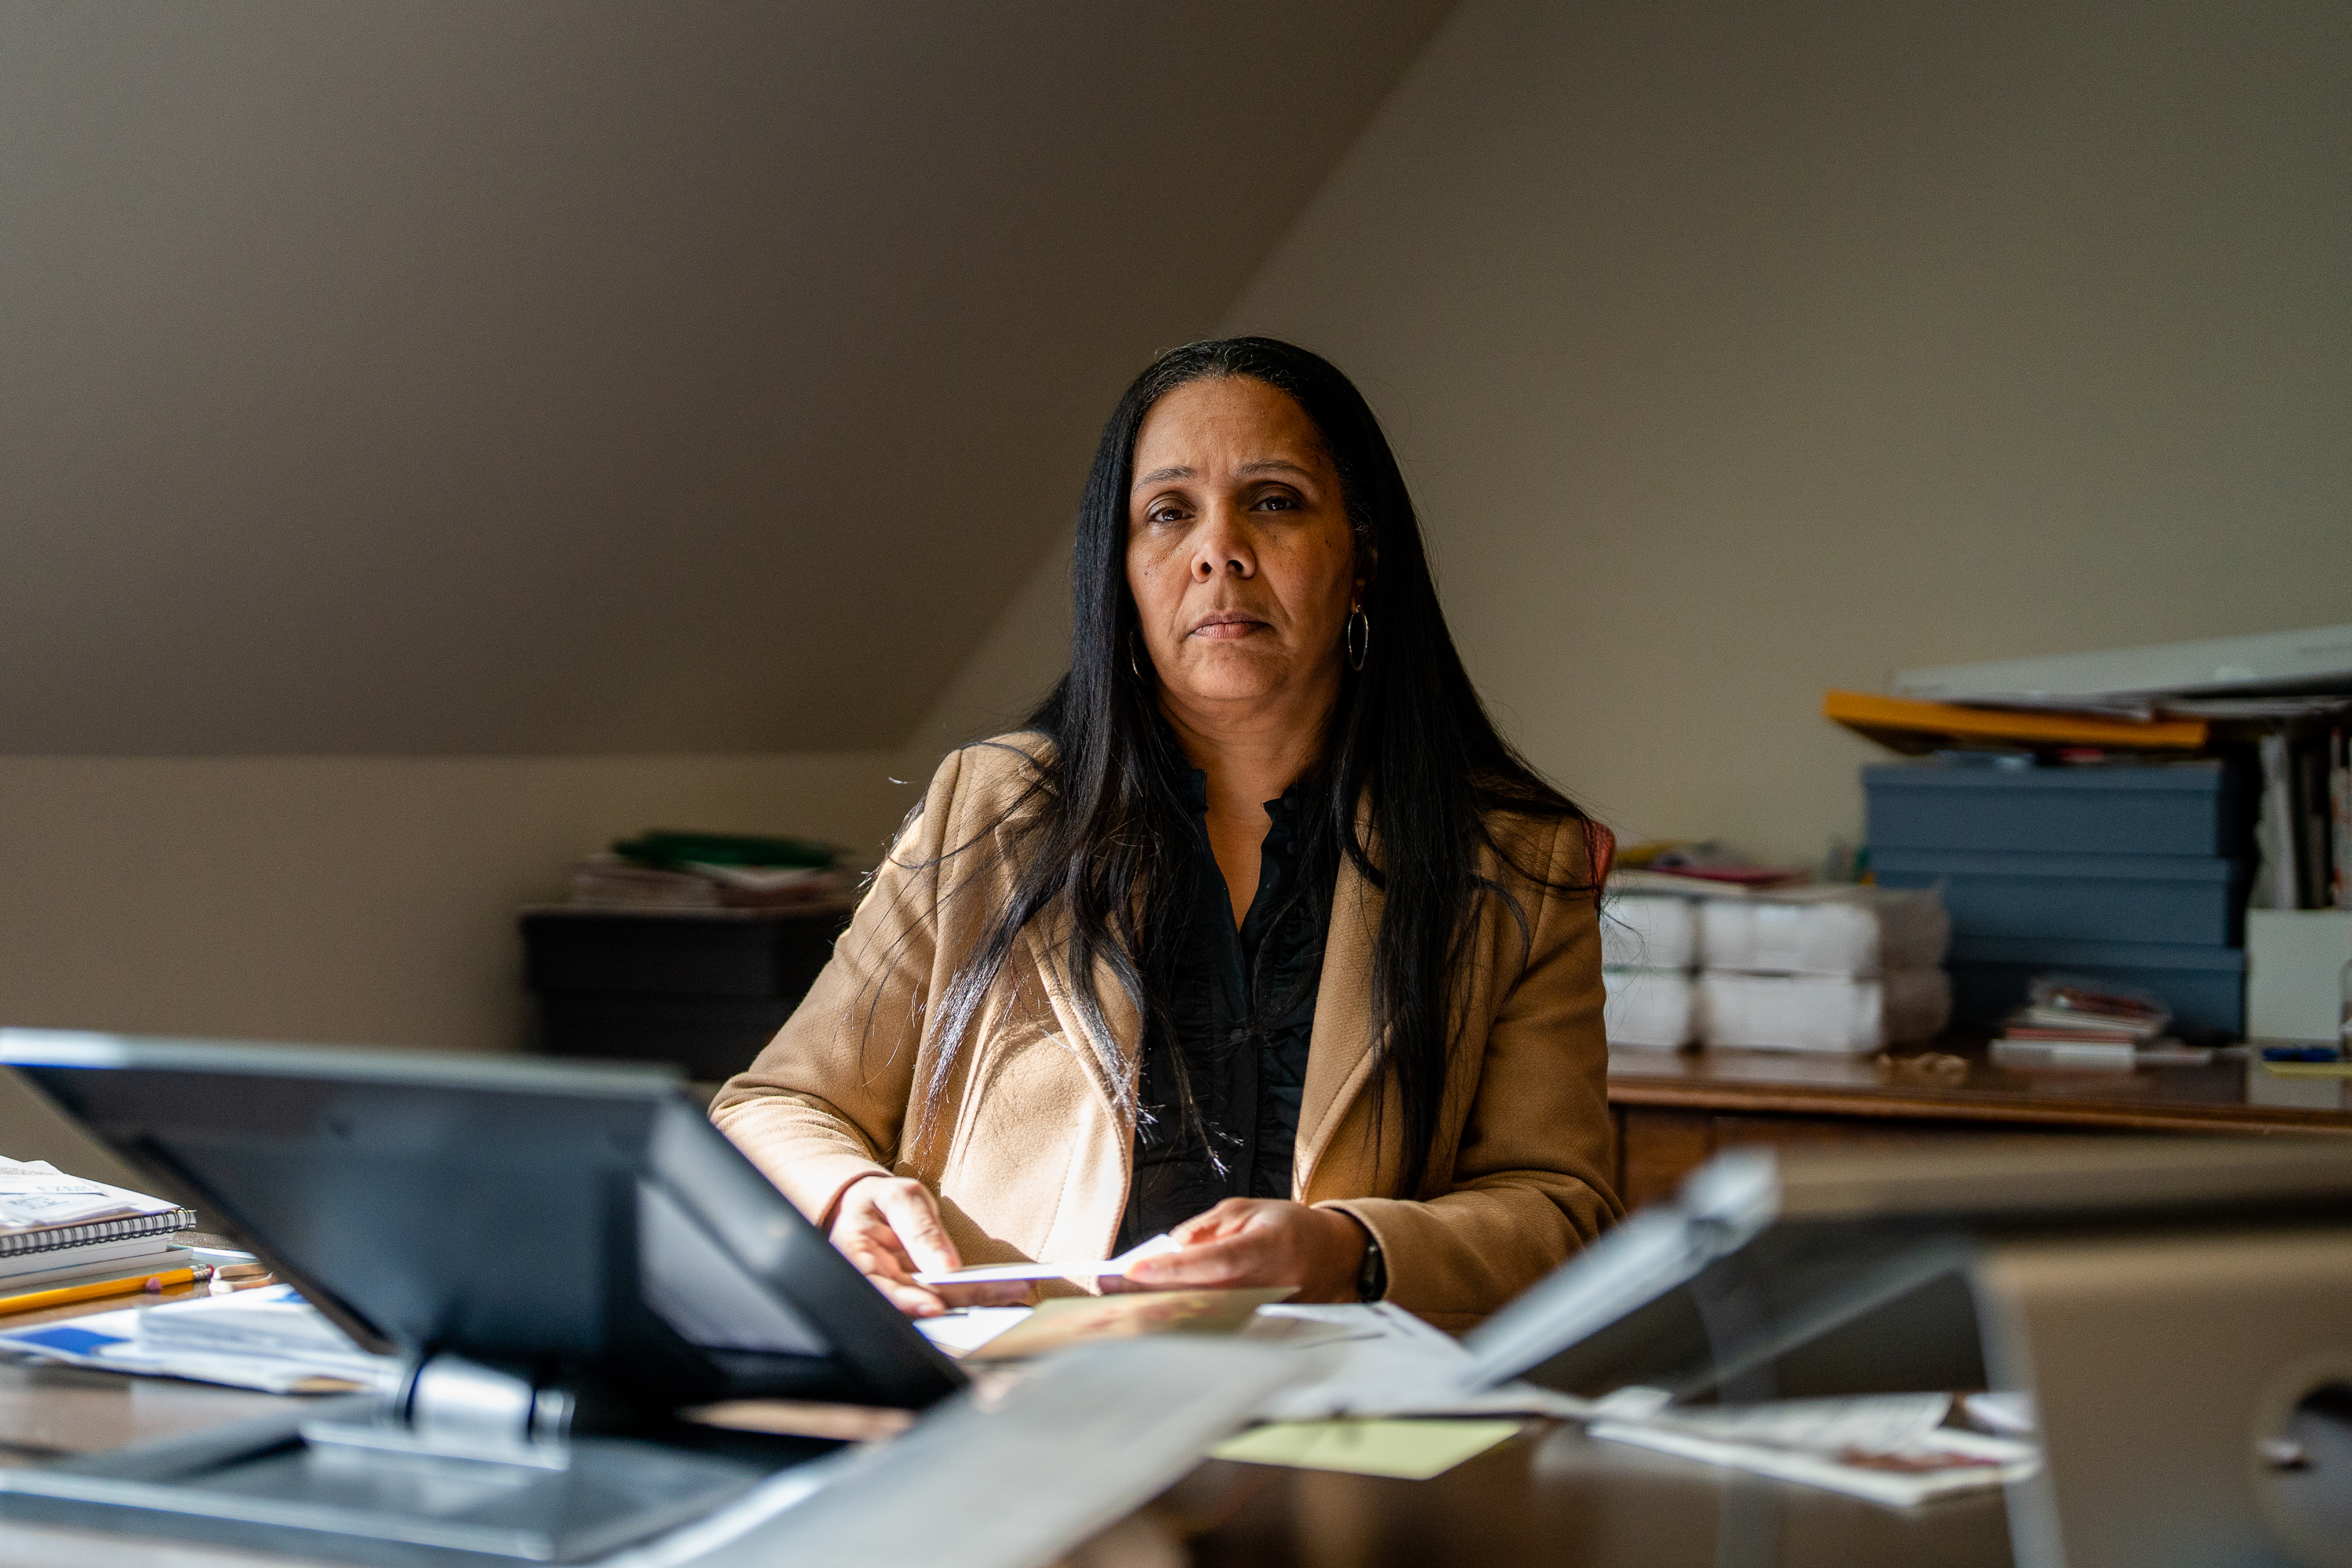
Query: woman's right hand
[[889, 1228]]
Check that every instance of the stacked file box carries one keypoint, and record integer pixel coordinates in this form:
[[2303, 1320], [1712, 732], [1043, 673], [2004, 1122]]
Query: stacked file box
[[1825, 969], [2132, 875], [1649, 957], [704, 989]]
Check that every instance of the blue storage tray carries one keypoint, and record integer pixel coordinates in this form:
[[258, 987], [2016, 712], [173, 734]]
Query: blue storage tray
[[2193, 899], [2176, 808], [2204, 986]]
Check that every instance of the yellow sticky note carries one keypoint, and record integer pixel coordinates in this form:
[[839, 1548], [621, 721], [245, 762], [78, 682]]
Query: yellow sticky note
[[1406, 1451]]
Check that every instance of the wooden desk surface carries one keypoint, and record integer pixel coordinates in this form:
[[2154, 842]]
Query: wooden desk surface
[[1553, 1496], [1548, 1495]]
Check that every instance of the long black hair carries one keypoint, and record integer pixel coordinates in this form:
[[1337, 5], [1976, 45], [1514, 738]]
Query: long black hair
[[1410, 742]]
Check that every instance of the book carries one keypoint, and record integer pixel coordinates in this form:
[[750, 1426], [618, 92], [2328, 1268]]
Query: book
[[93, 1260], [2341, 813], [43, 1210], [2073, 1022], [2303, 829]]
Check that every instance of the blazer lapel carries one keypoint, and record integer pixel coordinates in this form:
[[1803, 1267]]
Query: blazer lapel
[[1339, 1046], [1046, 950]]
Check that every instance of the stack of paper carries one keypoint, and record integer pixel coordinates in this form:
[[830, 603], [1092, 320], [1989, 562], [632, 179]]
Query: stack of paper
[[1851, 969], [1854, 931], [1824, 1012], [268, 1339], [35, 1196], [1649, 953], [1072, 1269], [1649, 930], [1888, 1448], [1834, 968], [2082, 1023]]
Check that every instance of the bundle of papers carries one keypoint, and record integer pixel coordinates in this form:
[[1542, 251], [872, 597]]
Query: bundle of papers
[[1017, 1334], [1657, 1009], [1888, 1448], [2061, 1008], [1095, 1268], [612, 882], [1861, 931], [268, 1339], [2079, 1023], [1833, 968], [1649, 931], [1823, 1013]]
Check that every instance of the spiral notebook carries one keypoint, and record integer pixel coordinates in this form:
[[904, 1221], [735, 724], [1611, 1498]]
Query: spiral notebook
[[42, 1209]]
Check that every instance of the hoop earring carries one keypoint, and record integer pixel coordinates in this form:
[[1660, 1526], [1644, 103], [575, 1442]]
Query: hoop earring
[[1133, 668], [1359, 645]]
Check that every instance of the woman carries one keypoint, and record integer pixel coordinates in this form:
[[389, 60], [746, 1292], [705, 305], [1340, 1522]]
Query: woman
[[1258, 934]]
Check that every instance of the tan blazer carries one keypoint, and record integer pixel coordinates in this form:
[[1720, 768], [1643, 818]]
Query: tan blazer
[[1031, 1151]]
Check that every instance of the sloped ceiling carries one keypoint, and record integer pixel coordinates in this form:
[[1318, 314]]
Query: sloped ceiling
[[552, 376]]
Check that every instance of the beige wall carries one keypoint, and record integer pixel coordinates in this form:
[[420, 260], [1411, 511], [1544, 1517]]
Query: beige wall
[[1738, 352], [1733, 352], [344, 899], [1014, 669], [338, 899]]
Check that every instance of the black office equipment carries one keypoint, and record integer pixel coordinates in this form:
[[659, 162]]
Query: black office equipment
[[702, 989], [2180, 1310], [564, 1256]]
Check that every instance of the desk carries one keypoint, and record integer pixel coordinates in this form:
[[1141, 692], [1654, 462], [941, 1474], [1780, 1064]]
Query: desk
[[1673, 1110], [1551, 1495], [1547, 1495]]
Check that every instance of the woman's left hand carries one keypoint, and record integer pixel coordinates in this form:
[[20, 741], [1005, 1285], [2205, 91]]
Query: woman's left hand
[[1260, 1241]]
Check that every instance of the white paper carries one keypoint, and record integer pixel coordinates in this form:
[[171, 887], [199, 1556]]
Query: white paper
[[1823, 1013], [33, 1193], [1657, 1009], [1874, 1423], [1379, 1360], [1649, 931], [960, 1334], [2117, 1056], [268, 1339], [2010, 1461], [273, 1321], [2011, 1415], [1092, 1270], [1857, 932]]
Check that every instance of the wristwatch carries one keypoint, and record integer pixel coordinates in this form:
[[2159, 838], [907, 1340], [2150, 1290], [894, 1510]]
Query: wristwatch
[[1372, 1279]]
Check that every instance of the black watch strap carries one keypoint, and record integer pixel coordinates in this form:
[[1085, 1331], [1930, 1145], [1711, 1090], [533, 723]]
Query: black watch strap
[[1372, 1279]]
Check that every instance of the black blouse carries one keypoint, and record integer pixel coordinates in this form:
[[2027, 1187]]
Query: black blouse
[[1242, 1004]]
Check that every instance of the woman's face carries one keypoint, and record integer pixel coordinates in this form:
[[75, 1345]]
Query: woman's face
[[1238, 550]]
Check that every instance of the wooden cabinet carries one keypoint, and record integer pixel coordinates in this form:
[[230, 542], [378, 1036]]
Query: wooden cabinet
[[1674, 1109]]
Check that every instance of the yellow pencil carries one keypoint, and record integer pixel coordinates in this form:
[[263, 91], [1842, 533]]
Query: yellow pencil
[[131, 1285]]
